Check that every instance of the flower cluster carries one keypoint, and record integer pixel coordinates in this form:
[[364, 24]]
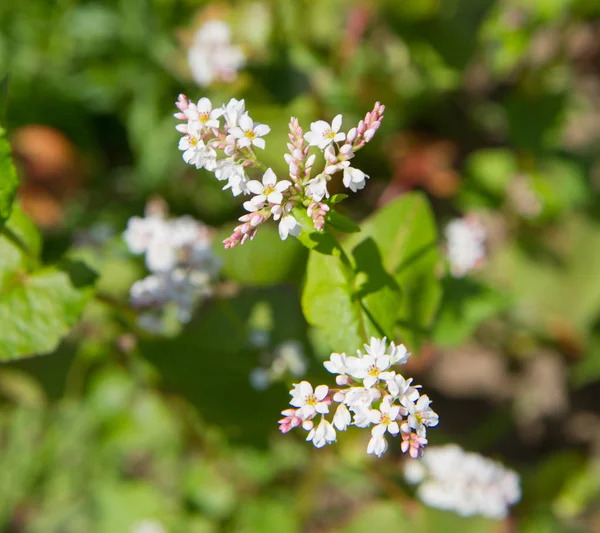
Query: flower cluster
[[181, 262], [230, 130], [467, 483], [370, 395], [212, 57], [466, 244]]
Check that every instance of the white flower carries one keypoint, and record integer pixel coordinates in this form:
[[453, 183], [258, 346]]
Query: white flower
[[203, 113], [289, 226], [322, 434], [337, 365], [140, 232], [362, 416], [248, 133], [357, 397], [398, 354], [269, 190], [195, 152], [322, 134], [466, 245], [307, 401], [377, 445], [466, 483], [399, 387], [317, 188], [370, 368], [385, 418], [354, 179], [233, 111], [212, 57], [235, 175], [420, 415], [342, 418]]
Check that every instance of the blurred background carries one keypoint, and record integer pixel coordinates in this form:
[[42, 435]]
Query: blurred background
[[492, 109]]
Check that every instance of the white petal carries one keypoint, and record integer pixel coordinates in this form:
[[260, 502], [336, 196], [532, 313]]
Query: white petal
[[255, 187], [321, 391], [336, 123], [283, 185], [262, 129], [269, 177], [246, 123], [259, 143]]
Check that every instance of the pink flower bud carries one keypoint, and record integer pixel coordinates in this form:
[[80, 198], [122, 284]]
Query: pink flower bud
[[351, 137], [361, 127], [369, 135]]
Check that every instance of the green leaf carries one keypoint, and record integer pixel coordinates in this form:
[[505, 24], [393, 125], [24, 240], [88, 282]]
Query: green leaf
[[328, 304], [8, 179], [37, 306], [320, 241], [266, 261], [466, 303], [405, 232], [351, 302], [341, 222], [37, 310]]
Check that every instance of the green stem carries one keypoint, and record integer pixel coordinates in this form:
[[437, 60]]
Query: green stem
[[15, 239]]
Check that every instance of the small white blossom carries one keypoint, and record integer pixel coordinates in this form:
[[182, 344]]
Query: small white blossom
[[289, 226], [342, 418], [467, 483], [337, 365], [420, 415], [248, 133], [195, 151], [377, 445], [323, 434], [270, 190], [322, 134], [233, 111], [317, 188], [235, 176], [466, 245], [385, 418], [370, 368], [212, 57], [354, 179], [307, 401], [204, 114]]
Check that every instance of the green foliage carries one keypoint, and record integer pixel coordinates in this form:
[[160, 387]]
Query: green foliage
[[8, 179], [380, 281], [38, 306]]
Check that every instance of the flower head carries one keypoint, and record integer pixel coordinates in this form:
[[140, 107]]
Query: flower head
[[248, 133], [322, 134], [269, 190], [309, 402]]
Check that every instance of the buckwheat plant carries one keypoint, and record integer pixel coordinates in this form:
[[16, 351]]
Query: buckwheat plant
[[369, 394], [224, 140]]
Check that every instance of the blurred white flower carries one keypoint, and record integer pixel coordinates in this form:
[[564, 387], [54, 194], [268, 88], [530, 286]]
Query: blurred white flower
[[181, 262], [467, 483], [466, 245], [212, 57]]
